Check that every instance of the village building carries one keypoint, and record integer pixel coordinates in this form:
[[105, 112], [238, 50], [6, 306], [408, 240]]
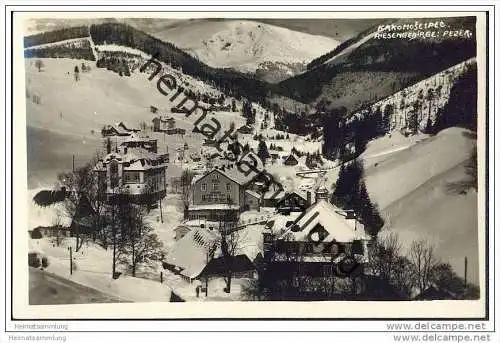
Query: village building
[[128, 128], [241, 267], [175, 131], [316, 254], [197, 254], [118, 129], [181, 231], [291, 160], [274, 157], [218, 196], [50, 231], [136, 170], [113, 130], [225, 191], [294, 202], [195, 157], [272, 195], [245, 129], [163, 123], [252, 200], [191, 253], [435, 293]]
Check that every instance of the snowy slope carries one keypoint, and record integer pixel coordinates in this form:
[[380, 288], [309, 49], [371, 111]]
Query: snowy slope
[[401, 102], [70, 115], [412, 187], [244, 45]]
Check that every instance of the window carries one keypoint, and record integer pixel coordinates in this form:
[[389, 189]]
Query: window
[[203, 197], [113, 171], [204, 187], [131, 177], [228, 186], [216, 186]]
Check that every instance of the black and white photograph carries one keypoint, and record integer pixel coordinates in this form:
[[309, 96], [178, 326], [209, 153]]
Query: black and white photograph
[[225, 159]]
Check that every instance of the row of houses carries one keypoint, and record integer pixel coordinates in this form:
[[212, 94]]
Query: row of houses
[[315, 239], [118, 129]]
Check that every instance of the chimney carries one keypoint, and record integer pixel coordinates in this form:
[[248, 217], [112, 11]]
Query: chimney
[[309, 198], [321, 194], [349, 214]]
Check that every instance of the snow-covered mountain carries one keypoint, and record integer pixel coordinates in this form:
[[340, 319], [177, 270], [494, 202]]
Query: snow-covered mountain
[[248, 46], [366, 68]]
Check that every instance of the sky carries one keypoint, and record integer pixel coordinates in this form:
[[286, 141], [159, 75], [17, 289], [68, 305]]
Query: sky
[[340, 29]]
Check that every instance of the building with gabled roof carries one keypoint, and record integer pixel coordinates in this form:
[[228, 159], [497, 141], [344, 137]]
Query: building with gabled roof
[[135, 170], [217, 196], [191, 254], [126, 127], [294, 201], [163, 123], [291, 160], [225, 191], [113, 130], [118, 129], [325, 222], [323, 245]]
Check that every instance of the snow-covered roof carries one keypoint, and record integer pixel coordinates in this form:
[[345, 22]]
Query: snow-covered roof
[[232, 173], [134, 137], [191, 252], [214, 207], [252, 193], [333, 221], [138, 159], [270, 194], [164, 118], [279, 221]]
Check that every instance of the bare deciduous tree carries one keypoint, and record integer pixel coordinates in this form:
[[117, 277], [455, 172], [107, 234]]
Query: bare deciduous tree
[[186, 179], [422, 256], [140, 244], [384, 254], [83, 184], [58, 237], [231, 243]]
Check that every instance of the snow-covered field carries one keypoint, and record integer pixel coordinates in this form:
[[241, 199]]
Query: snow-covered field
[[93, 269]]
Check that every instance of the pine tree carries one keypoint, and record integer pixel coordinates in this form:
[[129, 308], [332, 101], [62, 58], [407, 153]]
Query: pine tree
[[262, 151], [351, 194], [377, 124], [413, 121], [386, 120], [246, 148]]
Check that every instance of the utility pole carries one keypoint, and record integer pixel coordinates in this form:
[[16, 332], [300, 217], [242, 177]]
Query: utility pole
[[70, 261], [465, 273], [114, 235], [73, 163], [206, 280], [161, 212]]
